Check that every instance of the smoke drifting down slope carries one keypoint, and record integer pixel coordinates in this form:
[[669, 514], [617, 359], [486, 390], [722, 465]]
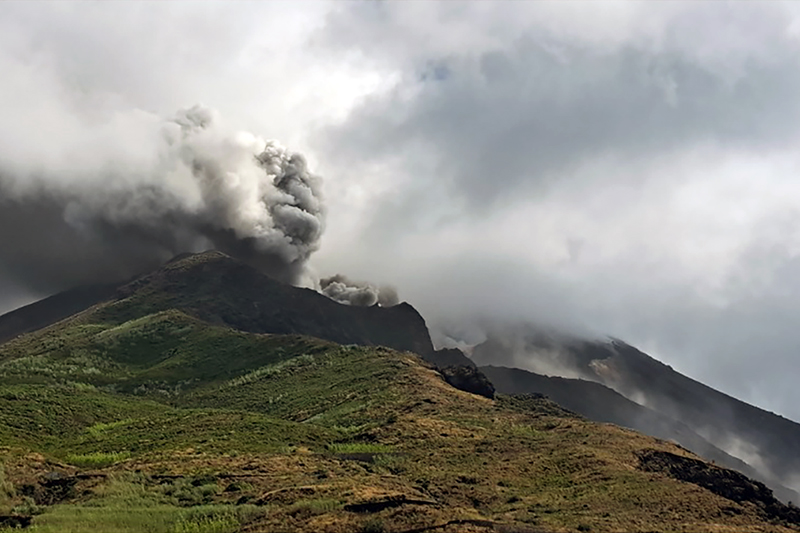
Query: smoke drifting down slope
[[113, 208]]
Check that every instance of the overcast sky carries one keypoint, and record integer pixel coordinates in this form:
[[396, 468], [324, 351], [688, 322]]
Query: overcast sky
[[622, 168]]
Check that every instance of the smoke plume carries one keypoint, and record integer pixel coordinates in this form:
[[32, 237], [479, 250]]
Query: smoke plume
[[360, 293], [113, 207]]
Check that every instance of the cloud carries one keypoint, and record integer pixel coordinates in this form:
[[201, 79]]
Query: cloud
[[602, 172], [98, 170], [526, 115]]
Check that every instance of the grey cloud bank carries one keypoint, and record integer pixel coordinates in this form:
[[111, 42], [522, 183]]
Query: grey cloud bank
[[635, 182]]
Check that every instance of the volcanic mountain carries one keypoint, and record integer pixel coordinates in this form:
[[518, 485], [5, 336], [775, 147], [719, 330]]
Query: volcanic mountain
[[221, 290], [207, 397]]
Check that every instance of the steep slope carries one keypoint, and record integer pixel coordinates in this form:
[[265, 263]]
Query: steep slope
[[732, 424], [50, 310], [163, 423], [602, 404], [766, 441]]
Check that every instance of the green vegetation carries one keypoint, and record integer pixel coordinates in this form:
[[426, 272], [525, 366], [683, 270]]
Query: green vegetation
[[359, 447], [96, 459], [136, 418], [157, 355], [127, 506], [7, 491], [97, 430], [314, 507]]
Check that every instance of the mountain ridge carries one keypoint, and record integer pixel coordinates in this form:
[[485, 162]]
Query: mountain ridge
[[47, 311]]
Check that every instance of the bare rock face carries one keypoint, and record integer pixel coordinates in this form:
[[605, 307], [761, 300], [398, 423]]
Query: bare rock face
[[469, 379]]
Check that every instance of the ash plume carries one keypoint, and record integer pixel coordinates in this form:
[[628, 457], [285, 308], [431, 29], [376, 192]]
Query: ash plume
[[358, 293], [102, 209]]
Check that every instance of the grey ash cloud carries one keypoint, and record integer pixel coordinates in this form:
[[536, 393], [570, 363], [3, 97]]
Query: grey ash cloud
[[201, 187], [359, 293]]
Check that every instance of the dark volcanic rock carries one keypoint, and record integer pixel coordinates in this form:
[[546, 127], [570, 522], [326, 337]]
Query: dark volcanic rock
[[51, 489], [15, 521], [449, 357], [378, 505], [469, 379]]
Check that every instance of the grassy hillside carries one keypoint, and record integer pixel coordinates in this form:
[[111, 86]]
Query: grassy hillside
[[602, 404], [160, 422], [728, 424]]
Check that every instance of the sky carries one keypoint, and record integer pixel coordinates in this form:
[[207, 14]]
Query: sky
[[619, 168]]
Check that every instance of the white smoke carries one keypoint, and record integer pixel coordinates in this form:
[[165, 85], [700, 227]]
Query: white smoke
[[359, 293]]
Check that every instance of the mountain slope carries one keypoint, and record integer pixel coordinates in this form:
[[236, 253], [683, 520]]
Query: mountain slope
[[50, 310], [186, 426], [602, 404], [773, 438], [767, 442], [221, 290]]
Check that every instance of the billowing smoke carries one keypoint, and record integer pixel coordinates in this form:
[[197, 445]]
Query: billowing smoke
[[111, 208], [360, 293]]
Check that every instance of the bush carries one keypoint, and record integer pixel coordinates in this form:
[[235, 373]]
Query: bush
[[314, 507], [188, 492], [373, 525], [28, 507], [7, 491]]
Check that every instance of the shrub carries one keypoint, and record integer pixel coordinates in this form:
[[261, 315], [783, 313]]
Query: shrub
[[373, 525], [314, 507], [7, 491], [99, 428]]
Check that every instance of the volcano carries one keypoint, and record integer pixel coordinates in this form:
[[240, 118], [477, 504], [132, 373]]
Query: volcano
[[207, 393]]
